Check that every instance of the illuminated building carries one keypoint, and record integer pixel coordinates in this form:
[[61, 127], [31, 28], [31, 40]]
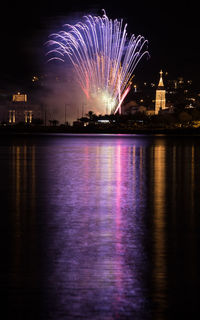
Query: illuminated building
[[19, 97], [20, 111], [160, 102]]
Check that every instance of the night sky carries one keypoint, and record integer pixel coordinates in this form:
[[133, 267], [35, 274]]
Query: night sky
[[172, 31]]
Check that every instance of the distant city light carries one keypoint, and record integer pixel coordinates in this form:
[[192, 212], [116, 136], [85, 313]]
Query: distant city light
[[35, 78], [103, 121]]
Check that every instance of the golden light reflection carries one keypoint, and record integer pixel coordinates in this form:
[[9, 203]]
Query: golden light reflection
[[174, 188], [192, 190], [21, 182], [16, 175], [18, 190], [24, 174], [159, 271], [141, 170], [33, 179]]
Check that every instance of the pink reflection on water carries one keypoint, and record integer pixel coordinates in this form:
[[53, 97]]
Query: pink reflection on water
[[118, 221], [97, 237], [86, 172]]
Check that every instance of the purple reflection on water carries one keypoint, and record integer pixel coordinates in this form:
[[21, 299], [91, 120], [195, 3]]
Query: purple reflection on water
[[100, 227], [96, 259]]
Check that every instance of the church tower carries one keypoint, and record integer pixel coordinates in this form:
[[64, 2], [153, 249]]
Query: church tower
[[160, 102]]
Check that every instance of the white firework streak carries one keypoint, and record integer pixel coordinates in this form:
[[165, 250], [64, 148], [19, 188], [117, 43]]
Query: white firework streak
[[102, 56]]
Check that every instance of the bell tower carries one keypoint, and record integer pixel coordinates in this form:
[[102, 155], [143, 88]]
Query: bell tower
[[160, 102]]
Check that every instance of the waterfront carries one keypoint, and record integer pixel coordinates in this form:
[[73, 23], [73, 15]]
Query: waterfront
[[100, 226]]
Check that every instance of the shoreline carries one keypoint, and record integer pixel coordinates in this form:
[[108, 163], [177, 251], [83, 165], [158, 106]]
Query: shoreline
[[92, 130]]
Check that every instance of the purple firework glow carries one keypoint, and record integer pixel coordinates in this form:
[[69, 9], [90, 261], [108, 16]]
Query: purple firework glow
[[102, 56]]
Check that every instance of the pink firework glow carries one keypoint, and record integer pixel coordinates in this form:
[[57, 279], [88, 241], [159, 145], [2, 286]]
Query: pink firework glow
[[103, 58]]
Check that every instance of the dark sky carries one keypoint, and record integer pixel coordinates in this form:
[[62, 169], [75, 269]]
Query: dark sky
[[172, 29]]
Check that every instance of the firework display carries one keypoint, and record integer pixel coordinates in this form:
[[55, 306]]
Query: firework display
[[103, 57]]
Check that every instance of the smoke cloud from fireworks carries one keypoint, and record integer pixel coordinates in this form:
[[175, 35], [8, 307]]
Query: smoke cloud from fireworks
[[103, 58]]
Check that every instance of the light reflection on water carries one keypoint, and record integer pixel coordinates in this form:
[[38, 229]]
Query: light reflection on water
[[93, 227], [100, 249]]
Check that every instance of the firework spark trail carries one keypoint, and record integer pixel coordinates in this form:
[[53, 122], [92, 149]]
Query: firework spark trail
[[102, 56]]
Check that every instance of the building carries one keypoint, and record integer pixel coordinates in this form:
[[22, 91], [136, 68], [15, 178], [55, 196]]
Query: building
[[150, 112], [160, 102], [20, 111], [132, 107]]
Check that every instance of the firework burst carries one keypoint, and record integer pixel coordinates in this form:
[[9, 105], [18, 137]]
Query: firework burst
[[103, 57]]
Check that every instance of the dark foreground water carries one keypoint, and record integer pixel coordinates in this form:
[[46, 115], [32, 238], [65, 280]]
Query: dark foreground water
[[100, 227]]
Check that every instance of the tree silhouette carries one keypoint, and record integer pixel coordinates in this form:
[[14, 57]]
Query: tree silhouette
[[90, 115]]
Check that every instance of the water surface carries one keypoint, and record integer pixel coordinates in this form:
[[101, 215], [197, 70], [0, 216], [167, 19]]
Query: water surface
[[100, 227]]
